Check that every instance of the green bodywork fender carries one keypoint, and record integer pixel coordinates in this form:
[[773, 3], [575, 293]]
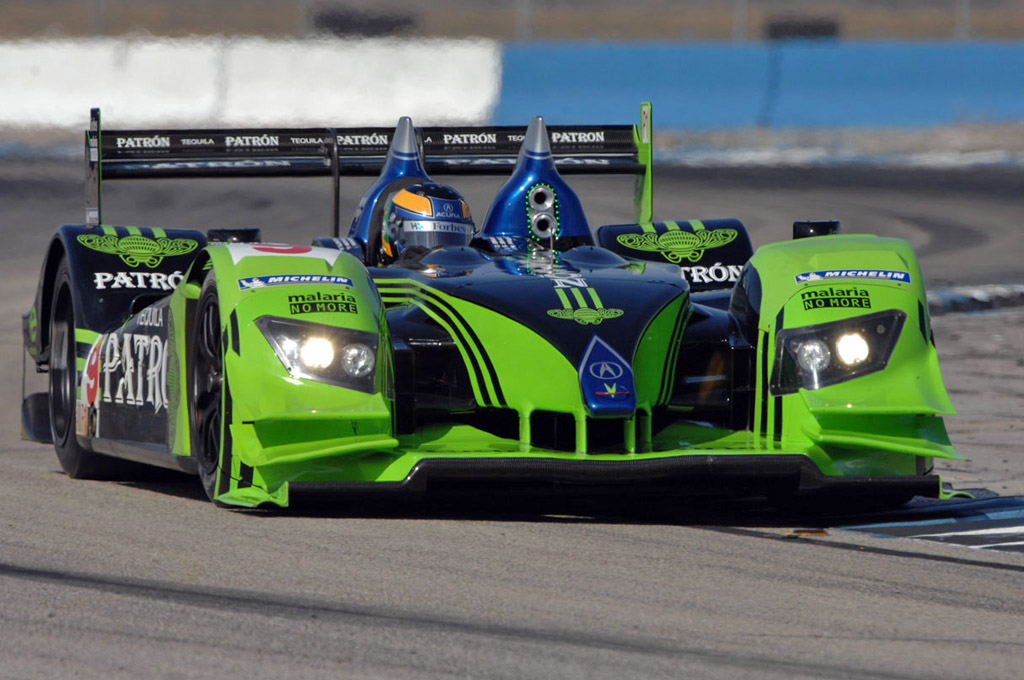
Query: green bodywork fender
[[896, 409], [274, 421]]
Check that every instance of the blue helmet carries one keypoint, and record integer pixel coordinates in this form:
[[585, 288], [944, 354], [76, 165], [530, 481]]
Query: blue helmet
[[425, 215]]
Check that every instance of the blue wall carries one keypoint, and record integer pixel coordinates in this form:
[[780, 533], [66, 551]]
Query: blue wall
[[791, 84]]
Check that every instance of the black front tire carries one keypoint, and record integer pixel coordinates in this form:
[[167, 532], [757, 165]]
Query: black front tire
[[206, 386]]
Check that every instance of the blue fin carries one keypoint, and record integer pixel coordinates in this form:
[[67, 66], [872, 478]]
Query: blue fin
[[536, 204], [403, 161]]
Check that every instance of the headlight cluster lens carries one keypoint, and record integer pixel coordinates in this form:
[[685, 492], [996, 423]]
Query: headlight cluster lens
[[825, 354], [339, 356], [813, 355], [357, 359]]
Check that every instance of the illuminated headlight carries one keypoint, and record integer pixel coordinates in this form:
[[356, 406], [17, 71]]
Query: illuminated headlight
[[852, 349], [338, 356], [825, 354], [316, 353]]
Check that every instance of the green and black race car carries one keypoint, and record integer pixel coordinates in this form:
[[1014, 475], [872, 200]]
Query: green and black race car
[[660, 355]]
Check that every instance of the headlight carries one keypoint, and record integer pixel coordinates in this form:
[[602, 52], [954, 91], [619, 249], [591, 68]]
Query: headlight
[[825, 354], [339, 356], [813, 355], [852, 349], [357, 359], [316, 353]]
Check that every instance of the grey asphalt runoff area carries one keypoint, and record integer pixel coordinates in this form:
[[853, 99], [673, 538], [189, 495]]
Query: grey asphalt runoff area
[[145, 578]]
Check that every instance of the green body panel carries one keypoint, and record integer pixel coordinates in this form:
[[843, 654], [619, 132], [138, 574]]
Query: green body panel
[[643, 194], [178, 436], [277, 419], [892, 410]]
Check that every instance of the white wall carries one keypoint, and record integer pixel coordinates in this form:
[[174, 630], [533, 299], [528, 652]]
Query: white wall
[[176, 83]]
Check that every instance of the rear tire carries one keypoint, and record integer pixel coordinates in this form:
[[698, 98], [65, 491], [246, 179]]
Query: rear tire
[[206, 387], [77, 461]]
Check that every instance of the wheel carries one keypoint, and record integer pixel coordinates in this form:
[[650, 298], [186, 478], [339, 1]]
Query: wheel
[[206, 386], [77, 461]]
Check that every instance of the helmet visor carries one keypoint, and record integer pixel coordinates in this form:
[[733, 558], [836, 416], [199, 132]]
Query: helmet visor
[[431, 234]]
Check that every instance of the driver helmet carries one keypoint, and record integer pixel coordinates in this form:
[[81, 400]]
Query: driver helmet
[[424, 216]]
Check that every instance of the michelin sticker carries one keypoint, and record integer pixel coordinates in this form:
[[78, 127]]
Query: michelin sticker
[[884, 274], [253, 282]]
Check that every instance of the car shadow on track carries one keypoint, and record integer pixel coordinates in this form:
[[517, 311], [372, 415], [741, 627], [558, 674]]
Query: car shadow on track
[[167, 482], [469, 506], [746, 512], [711, 512]]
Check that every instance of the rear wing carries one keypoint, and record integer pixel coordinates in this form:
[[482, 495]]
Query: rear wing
[[361, 152]]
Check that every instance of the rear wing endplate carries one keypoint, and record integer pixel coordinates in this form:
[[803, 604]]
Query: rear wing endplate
[[336, 152]]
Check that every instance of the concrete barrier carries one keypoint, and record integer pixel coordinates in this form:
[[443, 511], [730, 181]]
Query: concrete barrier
[[138, 83], [154, 83], [253, 81], [789, 84], [897, 85], [691, 86]]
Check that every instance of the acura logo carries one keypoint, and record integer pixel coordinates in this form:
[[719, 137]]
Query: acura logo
[[606, 370]]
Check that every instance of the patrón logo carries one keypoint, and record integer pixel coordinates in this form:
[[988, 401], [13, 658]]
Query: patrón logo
[[677, 245], [139, 250]]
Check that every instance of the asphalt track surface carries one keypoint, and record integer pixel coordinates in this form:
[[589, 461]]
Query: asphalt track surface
[[143, 577]]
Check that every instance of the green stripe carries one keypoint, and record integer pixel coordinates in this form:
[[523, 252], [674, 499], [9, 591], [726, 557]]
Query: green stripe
[[134, 231], [564, 298], [80, 362], [472, 356], [697, 225], [85, 335], [648, 227], [474, 350], [669, 378], [408, 297], [579, 298], [109, 230], [159, 233], [665, 391], [672, 226], [597, 301]]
